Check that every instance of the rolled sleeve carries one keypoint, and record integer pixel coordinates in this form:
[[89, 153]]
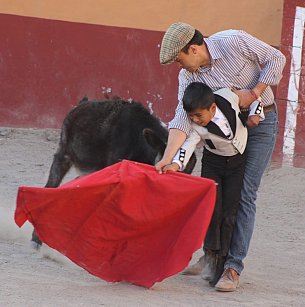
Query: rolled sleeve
[[272, 72], [180, 121], [269, 58]]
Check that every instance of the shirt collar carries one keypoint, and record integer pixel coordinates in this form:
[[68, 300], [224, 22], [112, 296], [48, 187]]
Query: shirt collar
[[218, 115], [214, 53], [212, 48]]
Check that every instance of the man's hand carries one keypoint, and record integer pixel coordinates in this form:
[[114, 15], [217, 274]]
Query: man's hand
[[171, 167], [253, 121], [160, 165]]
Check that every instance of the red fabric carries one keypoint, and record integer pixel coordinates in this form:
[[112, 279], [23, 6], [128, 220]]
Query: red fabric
[[123, 223]]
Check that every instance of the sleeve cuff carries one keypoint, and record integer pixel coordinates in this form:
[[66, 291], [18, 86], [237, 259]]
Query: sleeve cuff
[[179, 163]]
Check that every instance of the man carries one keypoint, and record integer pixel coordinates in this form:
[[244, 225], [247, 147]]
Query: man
[[239, 61]]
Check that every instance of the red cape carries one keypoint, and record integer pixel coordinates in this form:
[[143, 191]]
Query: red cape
[[123, 223]]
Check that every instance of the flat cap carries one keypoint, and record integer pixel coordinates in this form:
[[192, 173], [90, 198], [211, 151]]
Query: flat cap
[[177, 36]]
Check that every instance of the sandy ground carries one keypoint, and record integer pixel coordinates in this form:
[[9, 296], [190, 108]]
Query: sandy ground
[[274, 273]]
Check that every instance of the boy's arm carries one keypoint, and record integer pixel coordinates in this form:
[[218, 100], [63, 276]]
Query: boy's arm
[[256, 113], [188, 147], [176, 138]]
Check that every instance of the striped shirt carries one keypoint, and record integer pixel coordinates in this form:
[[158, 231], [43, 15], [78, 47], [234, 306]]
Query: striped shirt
[[237, 60]]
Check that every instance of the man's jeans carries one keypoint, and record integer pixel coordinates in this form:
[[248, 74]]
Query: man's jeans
[[260, 146]]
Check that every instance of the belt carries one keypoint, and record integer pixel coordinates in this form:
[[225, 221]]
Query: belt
[[269, 108]]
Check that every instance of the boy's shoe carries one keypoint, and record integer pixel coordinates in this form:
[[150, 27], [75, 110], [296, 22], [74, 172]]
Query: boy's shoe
[[228, 281]]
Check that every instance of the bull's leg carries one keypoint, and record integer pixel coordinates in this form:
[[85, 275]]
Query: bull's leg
[[35, 242], [60, 166], [210, 264], [219, 270]]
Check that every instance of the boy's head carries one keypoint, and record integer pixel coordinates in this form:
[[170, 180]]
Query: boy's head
[[199, 103]]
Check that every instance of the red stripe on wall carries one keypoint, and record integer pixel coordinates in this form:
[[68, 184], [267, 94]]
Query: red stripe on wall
[[282, 90]]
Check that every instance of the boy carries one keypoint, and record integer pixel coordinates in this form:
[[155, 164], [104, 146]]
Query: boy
[[218, 124]]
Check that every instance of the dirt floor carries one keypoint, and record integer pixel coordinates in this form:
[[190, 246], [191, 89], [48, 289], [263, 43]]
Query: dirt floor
[[274, 272]]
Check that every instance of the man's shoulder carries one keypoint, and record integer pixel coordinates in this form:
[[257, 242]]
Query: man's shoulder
[[225, 34]]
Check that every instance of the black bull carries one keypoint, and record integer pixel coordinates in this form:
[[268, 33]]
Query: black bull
[[97, 134]]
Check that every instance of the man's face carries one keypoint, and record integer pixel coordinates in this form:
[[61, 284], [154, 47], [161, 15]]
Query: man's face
[[201, 116], [193, 59], [187, 61]]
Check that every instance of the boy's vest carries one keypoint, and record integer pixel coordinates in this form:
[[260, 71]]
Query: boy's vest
[[213, 138]]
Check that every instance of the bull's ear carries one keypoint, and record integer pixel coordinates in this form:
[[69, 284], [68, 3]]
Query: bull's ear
[[85, 99], [153, 140]]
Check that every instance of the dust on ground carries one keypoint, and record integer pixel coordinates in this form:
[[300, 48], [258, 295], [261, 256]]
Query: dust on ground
[[274, 272]]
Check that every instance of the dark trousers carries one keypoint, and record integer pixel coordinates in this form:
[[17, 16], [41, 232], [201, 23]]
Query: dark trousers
[[228, 172]]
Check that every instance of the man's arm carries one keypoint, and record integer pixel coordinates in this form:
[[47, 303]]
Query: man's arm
[[271, 60], [246, 97], [179, 127]]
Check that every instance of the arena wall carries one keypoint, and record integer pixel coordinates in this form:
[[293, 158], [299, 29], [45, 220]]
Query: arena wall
[[53, 53]]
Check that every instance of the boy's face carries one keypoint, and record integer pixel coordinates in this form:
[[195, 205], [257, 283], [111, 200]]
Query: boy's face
[[202, 117]]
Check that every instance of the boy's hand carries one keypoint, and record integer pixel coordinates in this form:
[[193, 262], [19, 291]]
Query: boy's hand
[[253, 121], [171, 167]]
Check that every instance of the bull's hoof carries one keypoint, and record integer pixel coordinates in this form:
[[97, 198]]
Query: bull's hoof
[[35, 241], [36, 245], [196, 268]]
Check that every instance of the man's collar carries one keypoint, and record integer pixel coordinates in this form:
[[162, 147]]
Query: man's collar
[[212, 48]]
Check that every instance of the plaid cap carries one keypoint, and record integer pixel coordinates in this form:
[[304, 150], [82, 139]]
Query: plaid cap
[[177, 36]]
